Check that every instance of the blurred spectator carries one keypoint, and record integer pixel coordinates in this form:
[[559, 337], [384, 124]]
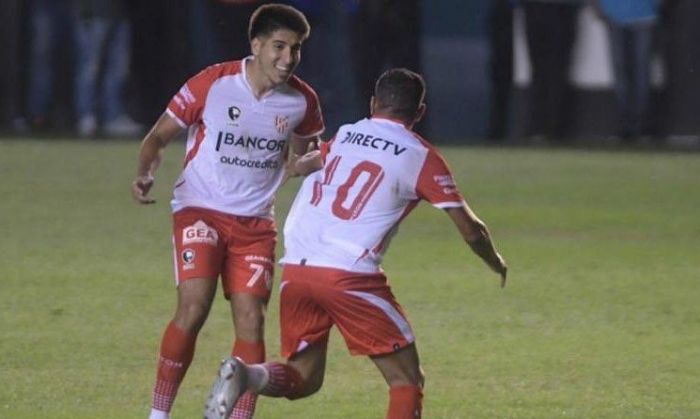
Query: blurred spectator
[[219, 30], [385, 33], [51, 22], [631, 29], [162, 52], [12, 16], [550, 32], [500, 33], [666, 32], [103, 56], [325, 59]]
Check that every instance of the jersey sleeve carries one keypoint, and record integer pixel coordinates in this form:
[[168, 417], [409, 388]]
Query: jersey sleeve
[[188, 103], [325, 148], [436, 183], [312, 124]]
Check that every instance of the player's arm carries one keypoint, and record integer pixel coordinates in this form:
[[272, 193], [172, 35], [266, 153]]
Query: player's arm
[[477, 236], [304, 156], [163, 131]]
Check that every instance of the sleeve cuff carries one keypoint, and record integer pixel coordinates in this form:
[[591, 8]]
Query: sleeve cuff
[[175, 117], [450, 204]]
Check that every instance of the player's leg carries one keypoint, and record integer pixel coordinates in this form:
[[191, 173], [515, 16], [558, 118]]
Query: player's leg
[[248, 313], [373, 323], [247, 280], [310, 365], [177, 345], [402, 372], [198, 255], [305, 328], [300, 377]]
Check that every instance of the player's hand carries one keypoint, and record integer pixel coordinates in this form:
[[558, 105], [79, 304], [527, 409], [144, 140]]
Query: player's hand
[[501, 268], [140, 188], [289, 165]]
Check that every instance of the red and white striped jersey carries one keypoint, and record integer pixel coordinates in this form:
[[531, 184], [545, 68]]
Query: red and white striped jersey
[[234, 162], [375, 172]]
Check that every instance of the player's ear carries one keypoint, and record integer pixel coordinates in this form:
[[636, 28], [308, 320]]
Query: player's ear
[[372, 105], [420, 113], [255, 45]]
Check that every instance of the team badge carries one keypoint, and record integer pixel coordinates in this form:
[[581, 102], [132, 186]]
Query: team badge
[[281, 123], [188, 257], [234, 113]]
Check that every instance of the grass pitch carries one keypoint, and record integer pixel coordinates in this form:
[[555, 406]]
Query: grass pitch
[[600, 318]]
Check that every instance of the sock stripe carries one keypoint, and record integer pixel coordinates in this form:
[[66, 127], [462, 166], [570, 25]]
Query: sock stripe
[[284, 381], [245, 407], [164, 395]]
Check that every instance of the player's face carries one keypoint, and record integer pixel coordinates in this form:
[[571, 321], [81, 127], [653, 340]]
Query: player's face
[[278, 55]]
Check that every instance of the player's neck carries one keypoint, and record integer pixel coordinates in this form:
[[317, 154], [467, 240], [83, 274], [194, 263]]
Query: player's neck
[[389, 117], [258, 82]]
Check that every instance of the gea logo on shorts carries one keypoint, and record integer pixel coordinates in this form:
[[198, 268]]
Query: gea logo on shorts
[[199, 232]]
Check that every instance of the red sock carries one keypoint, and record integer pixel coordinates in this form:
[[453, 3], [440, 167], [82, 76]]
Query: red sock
[[285, 381], [176, 352], [405, 402], [250, 353]]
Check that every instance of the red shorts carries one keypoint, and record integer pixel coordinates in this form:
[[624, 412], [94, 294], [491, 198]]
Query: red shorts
[[362, 306], [241, 249]]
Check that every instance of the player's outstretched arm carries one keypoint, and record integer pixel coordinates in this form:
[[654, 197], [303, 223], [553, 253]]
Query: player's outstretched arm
[[152, 146], [308, 163], [477, 236], [303, 157]]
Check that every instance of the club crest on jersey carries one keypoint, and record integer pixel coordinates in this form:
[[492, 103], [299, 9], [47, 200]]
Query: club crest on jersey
[[188, 259], [199, 232], [281, 123], [234, 113]]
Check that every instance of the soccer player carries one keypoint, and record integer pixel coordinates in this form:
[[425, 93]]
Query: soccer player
[[372, 174], [241, 117]]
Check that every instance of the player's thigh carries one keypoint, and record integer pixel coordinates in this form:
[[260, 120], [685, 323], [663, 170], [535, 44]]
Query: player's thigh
[[249, 265], [401, 367], [303, 321], [368, 315], [198, 243], [194, 299]]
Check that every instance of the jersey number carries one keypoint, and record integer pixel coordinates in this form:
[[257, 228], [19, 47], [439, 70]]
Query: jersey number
[[374, 177], [259, 272]]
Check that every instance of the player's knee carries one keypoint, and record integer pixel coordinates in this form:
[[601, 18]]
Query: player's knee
[[249, 317], [420, 379], [406, 376], [310, 386], [190, 317], [415, 379], [248, 310]]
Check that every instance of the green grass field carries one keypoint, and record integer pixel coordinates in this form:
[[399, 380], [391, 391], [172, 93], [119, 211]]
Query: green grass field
[[600, 319]]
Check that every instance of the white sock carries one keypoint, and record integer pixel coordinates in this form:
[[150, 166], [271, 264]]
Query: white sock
[[159, 414], [258, 376]]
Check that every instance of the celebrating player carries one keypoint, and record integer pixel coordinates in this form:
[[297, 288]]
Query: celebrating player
[[241, 117], [373, 173]]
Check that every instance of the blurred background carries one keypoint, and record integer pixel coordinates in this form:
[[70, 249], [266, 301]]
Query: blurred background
[[552, 72]]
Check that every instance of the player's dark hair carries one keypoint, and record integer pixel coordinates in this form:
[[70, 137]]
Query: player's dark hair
[[399, 92], [271, 17]]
